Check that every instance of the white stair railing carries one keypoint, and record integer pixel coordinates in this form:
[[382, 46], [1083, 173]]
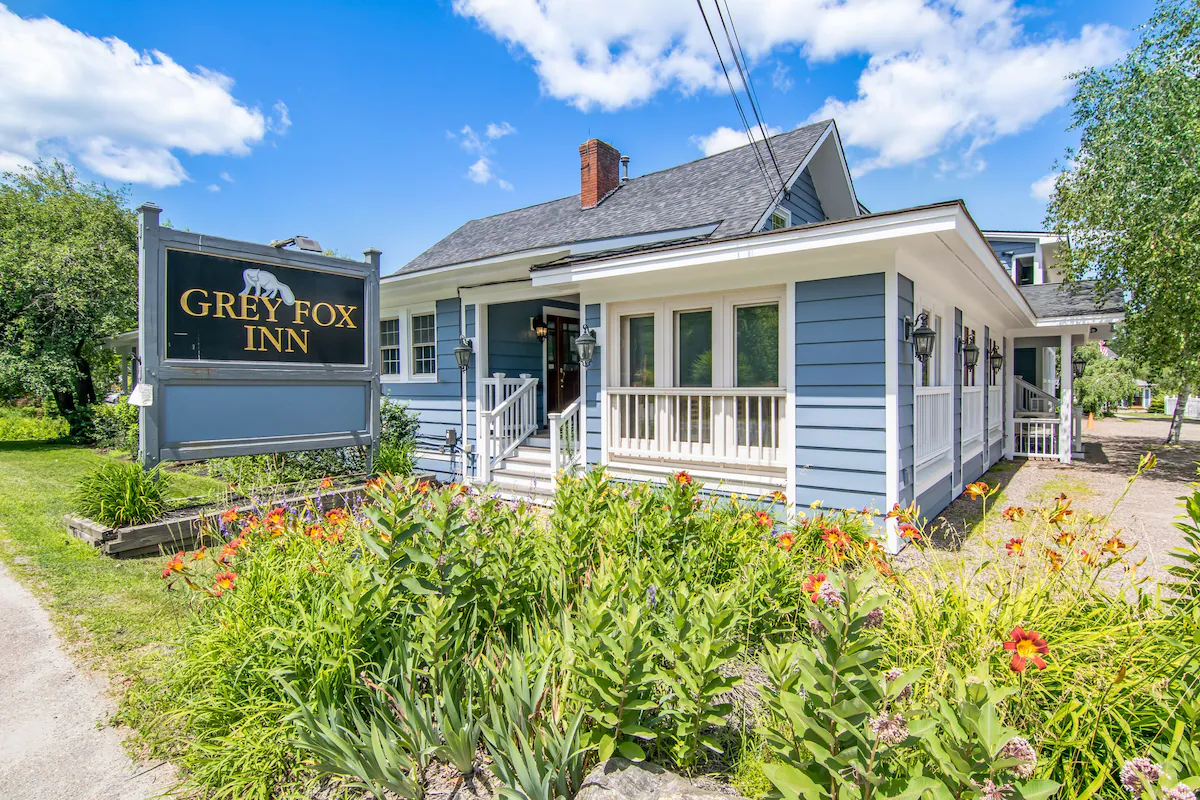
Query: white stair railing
[[510, 422], [566, 444], [1035, 437], [1033, 401]]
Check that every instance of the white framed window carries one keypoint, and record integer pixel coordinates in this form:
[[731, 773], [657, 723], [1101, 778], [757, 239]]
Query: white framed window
[[389, 346], [423, 329], [637, 350], [756, 345], [1023, 271], [780, 218], [408, 344]]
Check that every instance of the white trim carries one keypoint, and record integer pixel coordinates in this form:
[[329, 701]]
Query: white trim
[[554, 311], [787, 317], [787, 187], [891, 412], [403, 316]]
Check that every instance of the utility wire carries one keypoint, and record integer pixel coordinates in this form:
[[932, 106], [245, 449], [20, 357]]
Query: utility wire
[[748, 82], [759, 160]]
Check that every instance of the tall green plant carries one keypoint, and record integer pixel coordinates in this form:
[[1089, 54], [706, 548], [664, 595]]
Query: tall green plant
[[121, 493]]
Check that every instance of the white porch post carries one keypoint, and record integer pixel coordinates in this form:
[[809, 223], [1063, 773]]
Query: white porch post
[[1010, 388], [1066, 403]]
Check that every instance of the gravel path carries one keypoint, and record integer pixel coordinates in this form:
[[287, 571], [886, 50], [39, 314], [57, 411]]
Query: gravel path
[[54, 740], [1147, 513]]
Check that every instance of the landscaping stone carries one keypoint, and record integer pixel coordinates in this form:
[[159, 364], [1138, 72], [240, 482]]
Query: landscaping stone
[[618, 779]]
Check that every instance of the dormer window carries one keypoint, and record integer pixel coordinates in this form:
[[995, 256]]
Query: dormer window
[[780, 218], [1024, 270]]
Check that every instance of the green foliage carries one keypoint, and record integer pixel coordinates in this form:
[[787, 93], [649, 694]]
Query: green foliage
[[30, 423], [1106, 382], [110, 425], [121, 493], [68, 268], [1126, 201]]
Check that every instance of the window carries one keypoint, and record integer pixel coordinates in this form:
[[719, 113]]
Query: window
[[931, 369], [637, 348], [693, 348], [756, 347], [780, 218], [389, 346], [1024, 270], [424, 344]]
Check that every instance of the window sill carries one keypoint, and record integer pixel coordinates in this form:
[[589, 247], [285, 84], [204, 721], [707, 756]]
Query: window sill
[[403, 379]]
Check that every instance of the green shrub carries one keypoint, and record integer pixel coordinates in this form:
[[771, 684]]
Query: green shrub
[[121, 493], [30, 423], [1158, 403], [113, 425]]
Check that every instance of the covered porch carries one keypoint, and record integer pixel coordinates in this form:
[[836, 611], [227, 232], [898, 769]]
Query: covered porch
[[1045, 422]]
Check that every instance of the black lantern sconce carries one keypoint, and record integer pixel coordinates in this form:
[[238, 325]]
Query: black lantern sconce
[[1078, 365], [921, 335], [462, 353], [585, 345], [539, 327], [970, 351], [995, 360]]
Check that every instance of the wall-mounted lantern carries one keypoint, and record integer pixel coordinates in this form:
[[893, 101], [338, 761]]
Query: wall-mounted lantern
[[462, 353], [1078, 365], [585, 345], [539, 327], [995, 360], [921, 335], [970, 352]]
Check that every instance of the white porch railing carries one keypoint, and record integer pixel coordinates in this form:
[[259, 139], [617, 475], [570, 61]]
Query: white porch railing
[[995, 411], [932, 422], [509, 422], [737, 426], [1032, 400], [972, 415], [566, 441], [1035, 437]]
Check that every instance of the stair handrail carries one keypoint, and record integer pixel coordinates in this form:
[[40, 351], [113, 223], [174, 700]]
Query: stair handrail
[[502, 429], [566, 450], [1030, 398]]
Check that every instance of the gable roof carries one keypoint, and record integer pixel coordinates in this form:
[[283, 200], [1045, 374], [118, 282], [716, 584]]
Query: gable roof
[[1077, 300], [725, 189]]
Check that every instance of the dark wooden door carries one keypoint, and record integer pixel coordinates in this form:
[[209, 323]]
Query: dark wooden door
[[562, 362]]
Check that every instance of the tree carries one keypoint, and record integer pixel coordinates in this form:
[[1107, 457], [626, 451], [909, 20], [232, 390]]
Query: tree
[[1106, 382], [1128, 200], [68, 277]]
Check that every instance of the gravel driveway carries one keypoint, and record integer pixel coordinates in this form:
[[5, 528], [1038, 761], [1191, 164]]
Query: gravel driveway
[[54, 740], [1147, 513]]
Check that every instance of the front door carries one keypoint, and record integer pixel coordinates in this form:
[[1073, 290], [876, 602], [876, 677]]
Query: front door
[[562, 362]]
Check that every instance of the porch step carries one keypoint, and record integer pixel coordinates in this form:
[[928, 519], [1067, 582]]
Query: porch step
[[517, 486]]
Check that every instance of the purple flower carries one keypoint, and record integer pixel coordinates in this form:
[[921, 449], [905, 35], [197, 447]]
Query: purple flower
[[874, 618], [829, 595], [894, 674], [651, 596], [889, 730], [1023, 751], [1135, 770], [818, 630], [988, 790], [1180, 792]]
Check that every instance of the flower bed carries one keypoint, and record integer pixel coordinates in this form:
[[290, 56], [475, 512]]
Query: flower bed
[[431, 630]]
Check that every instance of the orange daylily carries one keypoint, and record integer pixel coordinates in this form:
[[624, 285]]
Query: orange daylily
[[230, 515], [835, 538], [174, 565], [1026, 646], [813, 585], [326, 483], [682, 478], [1061, 510], [1056, 560], [1013, 513], [337, 516], [1116, 545], [909, 532], [785, 541], [1015, 546], [1066, 538], [977, 489], [223, 582], [764, 519]]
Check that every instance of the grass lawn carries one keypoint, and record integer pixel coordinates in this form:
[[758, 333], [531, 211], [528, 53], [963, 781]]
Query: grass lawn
[[117, 613]]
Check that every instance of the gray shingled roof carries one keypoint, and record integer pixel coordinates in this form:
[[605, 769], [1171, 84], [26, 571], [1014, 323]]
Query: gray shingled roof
[[1061, 300], [726, 188]]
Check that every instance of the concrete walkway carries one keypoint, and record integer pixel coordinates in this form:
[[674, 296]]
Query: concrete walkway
[[54, 740]]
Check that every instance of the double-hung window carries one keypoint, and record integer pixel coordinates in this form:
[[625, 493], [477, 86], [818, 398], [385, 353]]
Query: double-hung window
[[389, 347], [423, 328]]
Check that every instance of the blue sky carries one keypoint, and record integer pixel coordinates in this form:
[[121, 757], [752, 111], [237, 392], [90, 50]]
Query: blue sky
[[345, 122]]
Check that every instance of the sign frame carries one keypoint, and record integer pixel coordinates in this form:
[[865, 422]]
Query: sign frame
[[162, 374]]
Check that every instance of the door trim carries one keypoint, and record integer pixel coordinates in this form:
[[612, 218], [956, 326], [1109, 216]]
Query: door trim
[[553, 311]]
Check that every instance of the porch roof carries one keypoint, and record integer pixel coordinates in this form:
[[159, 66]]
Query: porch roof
[[725, 190], [1082, 299]]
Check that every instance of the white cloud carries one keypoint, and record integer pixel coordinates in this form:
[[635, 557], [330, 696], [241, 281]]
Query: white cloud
[[225, 176], [282, 120], [122, 113], [482, 171], [724, 138], [781, 78], [941, 76], [212, 187], [1043, 187]]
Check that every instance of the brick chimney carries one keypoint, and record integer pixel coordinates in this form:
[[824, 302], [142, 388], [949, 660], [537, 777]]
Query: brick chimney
[[599, 171]]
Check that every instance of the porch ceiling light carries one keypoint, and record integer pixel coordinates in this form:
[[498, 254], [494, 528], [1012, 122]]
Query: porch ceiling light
[[923, 337], [970, 352], [462, 353], [540, 328], [1078, 365], [995, 360], [585, 345]]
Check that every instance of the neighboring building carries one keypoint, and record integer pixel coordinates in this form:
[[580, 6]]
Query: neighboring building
[[763, 342]]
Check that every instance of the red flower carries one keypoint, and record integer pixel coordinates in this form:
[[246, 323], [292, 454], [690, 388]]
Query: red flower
[[785, 541], [764, 519], [374, 484], [1066, 538], [778, 497], [327, 483], [1013, 513], [230, 515], [835, 538], [423, 487], [1015, 546], [337, 516], [223, 582], [813, 585], [1026, 646], [1116, 545], [199, 554], [174, 565], [682, 478], [977, 490], [909, 532], [1056, 560]]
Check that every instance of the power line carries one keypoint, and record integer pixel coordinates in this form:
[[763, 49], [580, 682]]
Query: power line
[[762, 164], [748, 82]]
